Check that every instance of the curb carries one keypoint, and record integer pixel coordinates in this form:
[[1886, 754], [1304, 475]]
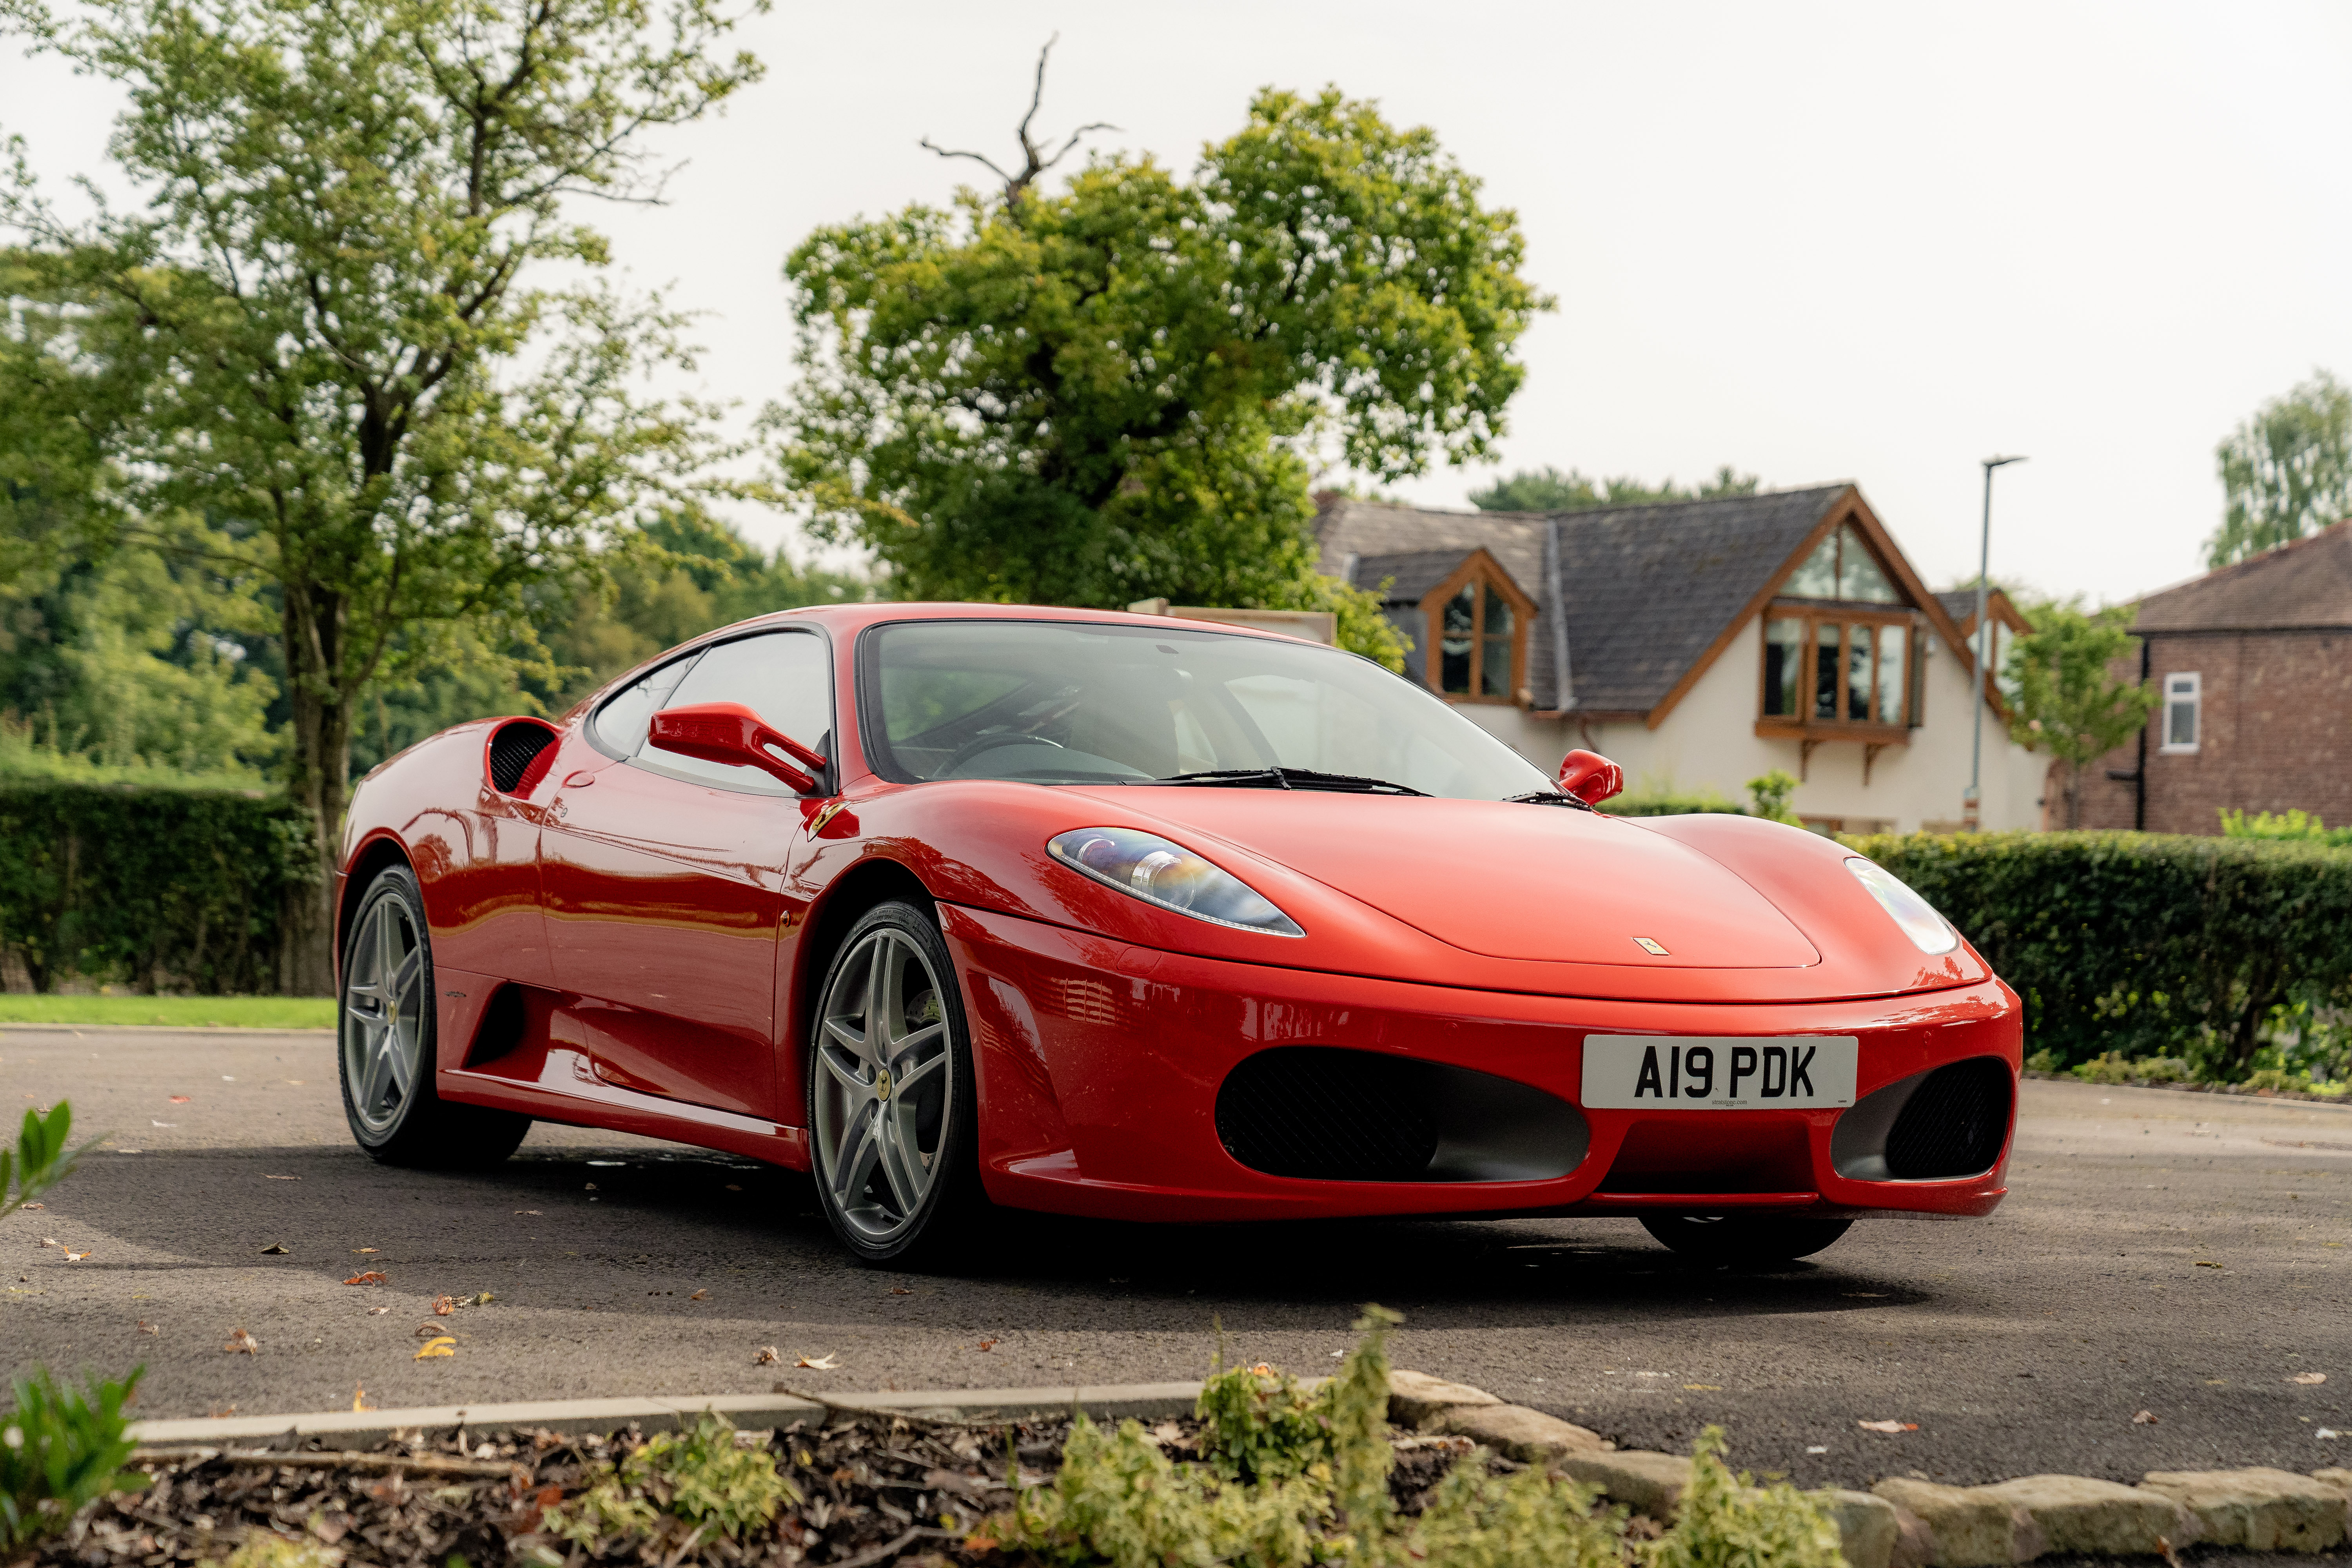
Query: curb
[[2227, 1091], [1117, 1399], [237, 1029]]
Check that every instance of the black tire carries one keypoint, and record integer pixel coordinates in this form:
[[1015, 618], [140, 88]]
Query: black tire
[[1744, 1240], [893, 1114], [384, 1042]]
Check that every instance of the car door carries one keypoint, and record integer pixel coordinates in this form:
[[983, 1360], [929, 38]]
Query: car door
[[661, 877]]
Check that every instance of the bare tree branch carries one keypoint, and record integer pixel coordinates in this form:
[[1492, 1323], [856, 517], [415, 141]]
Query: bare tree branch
[[1032, 165]]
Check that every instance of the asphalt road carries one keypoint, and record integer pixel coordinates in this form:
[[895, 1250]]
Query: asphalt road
[[2018, 1344]]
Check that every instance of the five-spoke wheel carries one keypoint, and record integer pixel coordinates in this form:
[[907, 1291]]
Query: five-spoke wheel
[[890, 1097], [386, 1052]]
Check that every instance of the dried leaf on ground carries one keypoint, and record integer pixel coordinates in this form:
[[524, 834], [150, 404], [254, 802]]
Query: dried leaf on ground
[[899, 1290], [2146, 1418], [443, 1305], [2308, 1377], [378, 1311], [147, 1328], [2202, 1264], [988, 1344], [699, 1296], [242, 1343], [1888, 1426], [362, 1251], [369, 1276], [817, 1362], [443, 1346], [767, 1356], [75, 1256], [359, 1398], [32, 1205], [269, 1178], [179, 1100], [278, 1247]]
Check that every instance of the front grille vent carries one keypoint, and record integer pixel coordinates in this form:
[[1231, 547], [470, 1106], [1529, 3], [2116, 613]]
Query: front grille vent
[[512, 750], [1954, 1124], [1332, 1115]]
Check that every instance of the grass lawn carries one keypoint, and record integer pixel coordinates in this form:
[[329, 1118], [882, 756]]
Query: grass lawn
[[236, 1012]]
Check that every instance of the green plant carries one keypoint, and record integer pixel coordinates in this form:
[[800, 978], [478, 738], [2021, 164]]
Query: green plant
[[1726, 1522], [268, 1549], [2044, 1060], [40, 1160], [1531, 1520], [59, 1449], [2065, 694], [1659, 797], [2291, 825], [2146, 944], [1770, 795], [2278, 1080], [699, 1474]]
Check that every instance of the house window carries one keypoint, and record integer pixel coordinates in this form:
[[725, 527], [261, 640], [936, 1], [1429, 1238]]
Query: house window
[[1830, 667], [1476, 644], [2184, 712], [1843, 568]]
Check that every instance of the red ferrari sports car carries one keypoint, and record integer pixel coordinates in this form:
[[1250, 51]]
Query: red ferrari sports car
[[957, 905]]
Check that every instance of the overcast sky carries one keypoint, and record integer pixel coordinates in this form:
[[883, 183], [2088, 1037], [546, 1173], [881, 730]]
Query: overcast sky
[[1870, 242]]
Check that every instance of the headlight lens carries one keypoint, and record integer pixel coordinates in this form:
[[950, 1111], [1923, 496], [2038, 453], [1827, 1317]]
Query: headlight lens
[[1170, 876], [1928, 932]]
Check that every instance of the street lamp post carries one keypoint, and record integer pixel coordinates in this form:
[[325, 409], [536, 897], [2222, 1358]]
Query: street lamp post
[[1970, 810]]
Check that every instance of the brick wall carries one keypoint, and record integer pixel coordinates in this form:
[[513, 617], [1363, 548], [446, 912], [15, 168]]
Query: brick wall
[[2277, 732]]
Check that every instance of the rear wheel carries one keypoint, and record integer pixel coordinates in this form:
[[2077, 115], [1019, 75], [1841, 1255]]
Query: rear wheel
[[386, 1046], [1745, 1240], [892, 1108]]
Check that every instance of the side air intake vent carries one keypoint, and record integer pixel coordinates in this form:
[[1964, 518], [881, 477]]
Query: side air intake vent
[[1932, 1126], [1331, 1115], [513, 749]]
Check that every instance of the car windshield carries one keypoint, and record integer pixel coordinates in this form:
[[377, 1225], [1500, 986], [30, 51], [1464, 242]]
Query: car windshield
[[1067, 702]]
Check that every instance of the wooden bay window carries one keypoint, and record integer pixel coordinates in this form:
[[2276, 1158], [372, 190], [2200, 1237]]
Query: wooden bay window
[[1478, 622], [1837, 672]]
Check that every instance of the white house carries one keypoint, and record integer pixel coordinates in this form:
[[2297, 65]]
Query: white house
[[1701, 644]]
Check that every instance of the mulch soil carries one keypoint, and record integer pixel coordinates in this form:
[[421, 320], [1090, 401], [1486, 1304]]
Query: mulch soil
[[877, 1489]]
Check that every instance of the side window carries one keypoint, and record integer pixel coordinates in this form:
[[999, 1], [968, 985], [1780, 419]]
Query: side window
[[2184, 712], [785, 678], [620, 725]]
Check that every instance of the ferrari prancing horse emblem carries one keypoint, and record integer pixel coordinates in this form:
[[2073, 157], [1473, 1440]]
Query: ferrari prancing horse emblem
[[1648, 945]]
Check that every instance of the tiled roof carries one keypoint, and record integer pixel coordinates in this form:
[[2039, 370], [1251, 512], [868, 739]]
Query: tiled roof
[[1648, 588], [2307, 583]]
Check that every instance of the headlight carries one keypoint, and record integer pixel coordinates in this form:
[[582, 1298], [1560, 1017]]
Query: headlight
[[1170, 876], [1928, 932]]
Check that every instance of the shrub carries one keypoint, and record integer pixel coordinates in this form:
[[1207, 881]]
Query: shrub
[[699, 1474], [40, 1160], [2140, 944], [2288, 824], [164, 887], [1726, 1521], [1770, 793], [1530, 1520], [59, 1449]]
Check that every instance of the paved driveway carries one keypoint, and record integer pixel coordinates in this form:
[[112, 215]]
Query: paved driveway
[[2022, 1343]]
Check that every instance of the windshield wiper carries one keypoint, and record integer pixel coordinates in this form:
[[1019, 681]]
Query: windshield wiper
[[1549, 797], [1284, 778]]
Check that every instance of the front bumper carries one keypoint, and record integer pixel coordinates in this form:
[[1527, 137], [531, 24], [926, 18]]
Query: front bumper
[[1099, 1062]]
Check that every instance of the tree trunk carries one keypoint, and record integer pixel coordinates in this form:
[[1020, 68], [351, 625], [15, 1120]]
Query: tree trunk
[[318, 781], [2074, 796]]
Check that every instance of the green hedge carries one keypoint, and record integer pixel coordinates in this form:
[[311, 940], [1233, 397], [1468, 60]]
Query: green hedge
[[2145, 943], [164, 888]]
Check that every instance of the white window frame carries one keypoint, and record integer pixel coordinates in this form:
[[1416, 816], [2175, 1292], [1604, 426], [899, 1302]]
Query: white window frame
[[2195, 699]]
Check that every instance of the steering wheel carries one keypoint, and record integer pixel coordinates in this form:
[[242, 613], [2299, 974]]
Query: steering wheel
[[980, 743]]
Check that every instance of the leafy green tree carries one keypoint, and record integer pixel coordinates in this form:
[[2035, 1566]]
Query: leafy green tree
[[1113, 392], [352, 316], [1549, 489], [2068, 697], [2286, 472]]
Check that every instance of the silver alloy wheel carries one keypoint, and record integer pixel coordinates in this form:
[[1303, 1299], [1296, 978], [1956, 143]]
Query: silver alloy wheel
[[384, 1016], [884, 1093]]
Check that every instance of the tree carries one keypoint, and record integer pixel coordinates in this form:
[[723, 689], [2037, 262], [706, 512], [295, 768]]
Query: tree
[[2286, 472], [1114, 390], [2068, 698], [324, 350], [1549, 489]]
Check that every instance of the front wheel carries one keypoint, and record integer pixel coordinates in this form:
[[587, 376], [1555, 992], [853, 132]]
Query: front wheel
[[892, 1111], [386, 1047], [1746, 1241]]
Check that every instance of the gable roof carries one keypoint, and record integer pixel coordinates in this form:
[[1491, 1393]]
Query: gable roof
[[2304, 585], [1960, 603]]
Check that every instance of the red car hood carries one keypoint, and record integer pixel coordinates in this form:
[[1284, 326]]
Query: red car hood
[[1545, 883]]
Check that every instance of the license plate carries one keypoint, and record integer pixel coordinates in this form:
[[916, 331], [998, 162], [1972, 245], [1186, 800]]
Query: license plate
[[1709, 1072]]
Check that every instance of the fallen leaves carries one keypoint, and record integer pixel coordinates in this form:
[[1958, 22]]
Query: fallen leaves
[[443, 1305], [378, 1311], [32, 1205], [359, 1398], [818, 1363], [431, 1349], [265, 1178], [242, 1343], [147, 1328], [1888, 1426], [767, 1356], [899, 1290], [2202, 1264], [2146, 1418], [1702, 1387], [2308, 1378], [527, 1211], [699, 1296], [277, 1248], [367, 1277], [362, 1251], [988, 1344], [179, 1100], [75, 1256]]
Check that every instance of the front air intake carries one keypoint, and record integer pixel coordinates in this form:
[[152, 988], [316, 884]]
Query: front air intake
[[1954, 1125], [1329, 1115], [513, 749]]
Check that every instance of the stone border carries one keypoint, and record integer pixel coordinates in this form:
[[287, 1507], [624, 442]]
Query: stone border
[[9, 1026], [1898, 1523], [2232, 1090]]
